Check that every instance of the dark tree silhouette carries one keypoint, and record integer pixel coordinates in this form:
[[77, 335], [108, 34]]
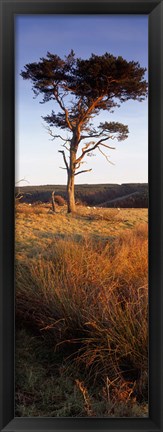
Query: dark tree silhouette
[[82, 89]]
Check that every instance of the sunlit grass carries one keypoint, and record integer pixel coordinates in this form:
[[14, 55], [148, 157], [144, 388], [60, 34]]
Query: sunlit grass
[[83, 293]]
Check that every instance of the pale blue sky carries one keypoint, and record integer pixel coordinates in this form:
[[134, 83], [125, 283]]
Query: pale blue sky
[[37, 157]]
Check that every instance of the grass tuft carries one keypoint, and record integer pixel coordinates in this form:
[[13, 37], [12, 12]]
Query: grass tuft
[[88, 300]]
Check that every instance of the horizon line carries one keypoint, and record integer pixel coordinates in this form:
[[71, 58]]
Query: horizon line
[[82, 184]]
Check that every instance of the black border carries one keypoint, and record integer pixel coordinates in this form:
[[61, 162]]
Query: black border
[[154, 9]]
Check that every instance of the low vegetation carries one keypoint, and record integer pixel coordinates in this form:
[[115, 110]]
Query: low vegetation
[[127, 195], [81, 312]]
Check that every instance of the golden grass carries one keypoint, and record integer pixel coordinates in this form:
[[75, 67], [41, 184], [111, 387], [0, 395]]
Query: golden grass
[[36, 227], [82, 285]]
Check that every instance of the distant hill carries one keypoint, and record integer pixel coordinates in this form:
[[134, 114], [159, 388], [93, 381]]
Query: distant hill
[[102, 195]]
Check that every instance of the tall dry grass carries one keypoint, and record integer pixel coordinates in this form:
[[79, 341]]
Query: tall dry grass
[[90, 301]]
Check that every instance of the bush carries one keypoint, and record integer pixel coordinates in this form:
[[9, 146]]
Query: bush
[[59, 200]]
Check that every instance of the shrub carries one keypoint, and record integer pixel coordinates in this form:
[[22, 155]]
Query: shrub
[[59, 200]]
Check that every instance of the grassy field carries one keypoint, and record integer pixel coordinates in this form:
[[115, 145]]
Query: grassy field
[[81, 312]]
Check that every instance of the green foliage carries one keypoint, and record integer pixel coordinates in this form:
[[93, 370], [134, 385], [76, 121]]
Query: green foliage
[[103, 76], [95, 84], [119, 130]]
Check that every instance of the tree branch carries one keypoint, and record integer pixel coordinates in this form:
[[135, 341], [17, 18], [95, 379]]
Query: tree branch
[[78, 164], [83, 171], [23, 179], [55, 136], [106, 157], [64, 145], [59, 136], [107, 146], [91, 108], [88, 150], [64, 158], [63, 109], [91, 136]]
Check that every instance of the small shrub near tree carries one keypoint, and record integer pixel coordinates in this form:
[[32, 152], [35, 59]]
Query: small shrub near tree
[[59, 200]]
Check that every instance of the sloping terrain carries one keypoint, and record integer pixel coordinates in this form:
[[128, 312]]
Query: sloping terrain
[[133, 195], [81, 310]]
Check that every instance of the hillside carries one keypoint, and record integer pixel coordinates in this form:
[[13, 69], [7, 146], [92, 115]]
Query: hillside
[[131, 195], [81, 312]]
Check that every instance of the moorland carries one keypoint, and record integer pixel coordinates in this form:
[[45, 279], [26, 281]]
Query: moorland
[[81, 305], [127, 195]]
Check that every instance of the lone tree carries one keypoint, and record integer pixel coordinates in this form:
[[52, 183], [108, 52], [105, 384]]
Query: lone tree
[[82, 89]]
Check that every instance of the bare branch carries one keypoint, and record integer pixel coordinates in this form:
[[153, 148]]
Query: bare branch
[[18, 198], [78, 164], [23, 179], [64, 158], [64, 145], [86, 146], [59, 136], [107, 146], [91, 136], [106, 157], [97, 136], [83, 171], [86, 150], [55, 136]]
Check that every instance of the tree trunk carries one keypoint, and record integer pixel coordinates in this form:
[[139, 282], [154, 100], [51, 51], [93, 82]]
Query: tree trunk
[[70, 183], [71, 193]]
